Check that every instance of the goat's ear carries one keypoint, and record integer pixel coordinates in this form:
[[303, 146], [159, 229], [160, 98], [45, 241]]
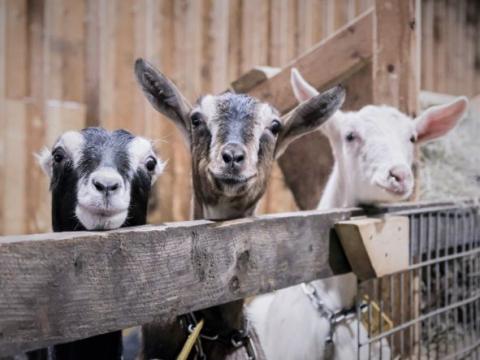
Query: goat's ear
[[163, 95], [44, 159], [439, 120], [309, 116], [301, 88]]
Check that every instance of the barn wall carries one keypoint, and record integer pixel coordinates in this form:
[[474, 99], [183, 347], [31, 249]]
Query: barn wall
[[66, 64]]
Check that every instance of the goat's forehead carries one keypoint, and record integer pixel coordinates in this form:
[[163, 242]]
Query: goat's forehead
[[382, 119], [235, 108], [100, 143]]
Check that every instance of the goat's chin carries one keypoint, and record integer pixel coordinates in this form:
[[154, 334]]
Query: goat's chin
[[381, 194], [100, 221]]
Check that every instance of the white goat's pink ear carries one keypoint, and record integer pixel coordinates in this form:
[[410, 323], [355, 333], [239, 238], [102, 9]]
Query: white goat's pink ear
[[439, 120], [301, 88]]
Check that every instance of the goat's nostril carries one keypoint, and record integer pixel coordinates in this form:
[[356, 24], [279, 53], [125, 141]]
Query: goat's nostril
[[227, 157], [239, 158], [398, 174], [112, 187], [99, 186]]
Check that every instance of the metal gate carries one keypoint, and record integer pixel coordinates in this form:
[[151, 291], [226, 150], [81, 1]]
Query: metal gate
[[431, 310]]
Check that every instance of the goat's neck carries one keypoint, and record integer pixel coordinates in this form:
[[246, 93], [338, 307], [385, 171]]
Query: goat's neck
[[338, 192], [339, 291]]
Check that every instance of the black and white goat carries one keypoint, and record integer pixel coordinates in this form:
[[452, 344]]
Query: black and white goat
[[99, 180], [234, 140]]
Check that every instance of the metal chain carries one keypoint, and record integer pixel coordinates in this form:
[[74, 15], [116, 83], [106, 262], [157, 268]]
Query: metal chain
[[243, 340]]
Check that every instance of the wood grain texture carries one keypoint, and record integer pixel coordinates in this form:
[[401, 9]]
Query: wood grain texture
[[64, 286], [345, 52], [396, 64]]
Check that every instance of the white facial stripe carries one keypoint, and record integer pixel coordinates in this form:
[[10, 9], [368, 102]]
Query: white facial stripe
[[209, 107], [72, 143], [140, 149]]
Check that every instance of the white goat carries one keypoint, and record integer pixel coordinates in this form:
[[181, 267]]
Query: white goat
[[374, 153]]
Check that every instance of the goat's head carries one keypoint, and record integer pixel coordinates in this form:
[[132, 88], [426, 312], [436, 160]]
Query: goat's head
[[375, 145], [99, 179], [233, 138]]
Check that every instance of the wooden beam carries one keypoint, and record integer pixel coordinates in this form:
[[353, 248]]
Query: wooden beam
[[65, 286], [331, 61]]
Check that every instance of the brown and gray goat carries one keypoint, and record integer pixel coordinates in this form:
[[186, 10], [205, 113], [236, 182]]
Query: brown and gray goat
[[234, 140]]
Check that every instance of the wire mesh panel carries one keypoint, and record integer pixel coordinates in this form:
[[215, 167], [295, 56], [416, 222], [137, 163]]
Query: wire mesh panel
[[431, 310]]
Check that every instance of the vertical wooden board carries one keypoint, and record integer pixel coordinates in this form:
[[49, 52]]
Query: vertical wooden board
[[188, 41], [3, 36], [427, 81], [234, 39], [106, 64], [254, 34], [319, 30], [329, 16], [73, 50], [218, 33], [278, 21], [460, 49], [164, 196], [124, 80], [451, 23], [154, 41], [16, 74], [472, 17], [396, 61], [341, 11], [38, 204], [440, 28], [15, 175], [283, 46], [54, 48], [208, 52], [92, 62], [305, 25], [477, 51]]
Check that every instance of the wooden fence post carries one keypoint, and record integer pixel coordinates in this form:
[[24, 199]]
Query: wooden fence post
[[396, 82]]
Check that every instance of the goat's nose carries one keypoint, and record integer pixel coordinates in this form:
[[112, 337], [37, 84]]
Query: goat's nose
[[233, 154], [399, 173], [106, 181]]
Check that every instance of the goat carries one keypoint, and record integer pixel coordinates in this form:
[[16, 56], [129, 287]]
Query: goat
[[234, 140], [99, 180], [374, 152]]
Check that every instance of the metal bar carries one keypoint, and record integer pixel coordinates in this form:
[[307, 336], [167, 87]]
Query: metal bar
[[423, 318]]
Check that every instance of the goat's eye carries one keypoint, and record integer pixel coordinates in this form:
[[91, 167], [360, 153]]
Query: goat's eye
[[413, 139], [196, 119], [350, 137], [275, 127], [151, 163], [58, 157]]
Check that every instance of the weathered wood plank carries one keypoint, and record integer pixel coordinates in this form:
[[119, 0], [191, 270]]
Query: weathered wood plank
[[64, 286], [345, 52], [396, 64]]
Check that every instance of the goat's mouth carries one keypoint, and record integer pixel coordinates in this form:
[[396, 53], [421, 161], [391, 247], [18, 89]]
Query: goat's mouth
[[400, 191], [102, 211], [230, 179]]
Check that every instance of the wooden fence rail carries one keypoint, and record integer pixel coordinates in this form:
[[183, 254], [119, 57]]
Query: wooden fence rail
[[60, 287], [64, 286]]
